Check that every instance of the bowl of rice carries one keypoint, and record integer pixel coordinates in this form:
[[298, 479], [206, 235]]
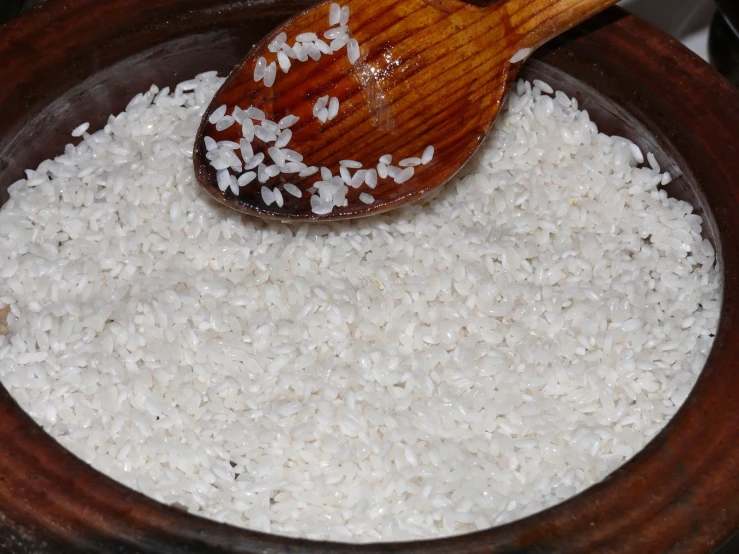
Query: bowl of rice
[[540, 358]]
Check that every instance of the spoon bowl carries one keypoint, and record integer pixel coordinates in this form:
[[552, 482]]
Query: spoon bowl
[[422, 73]]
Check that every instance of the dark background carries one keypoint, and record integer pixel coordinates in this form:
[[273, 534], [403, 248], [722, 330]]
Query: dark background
[[724, 54]]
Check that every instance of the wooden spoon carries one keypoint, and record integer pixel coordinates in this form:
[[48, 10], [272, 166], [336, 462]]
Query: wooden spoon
[[429, 73]]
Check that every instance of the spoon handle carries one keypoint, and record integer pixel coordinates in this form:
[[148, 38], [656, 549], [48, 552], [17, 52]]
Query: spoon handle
[[538, 21]]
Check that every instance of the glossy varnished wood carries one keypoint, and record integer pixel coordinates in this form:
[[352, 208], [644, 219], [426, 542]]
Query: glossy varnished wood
[[430, 73], [79, 60]]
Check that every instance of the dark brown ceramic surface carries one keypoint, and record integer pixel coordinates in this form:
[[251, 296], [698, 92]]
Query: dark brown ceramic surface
[[80, 60]]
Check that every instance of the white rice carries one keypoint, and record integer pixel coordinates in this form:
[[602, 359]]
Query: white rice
[[410, 162], [452, 365], [370, 178], [264, 135], [247, 129], [521, 55], [245, 147], [352, 50], [358, 178], [320, 104], [268, 196], [259, 69], [300, 52], [333, 108], [277, 196], [322, 47], [246, 178], [80, 130], [562, 98], [277, 42], [223, 179], [277, 156], [270, 74], [293, 167], [287, 49], [306, 37], [428, 155], [403, 176], [288, 121], [339, 42], [308, 171], [210, 144], [334, 14], [544, 87], [284, 138], [636, 153], [336, 32], [292, 155], [255, 161], [224, 123], [271, 126], [283, 61], [292, 189], [345, 174], [255, 113], [217, 114]]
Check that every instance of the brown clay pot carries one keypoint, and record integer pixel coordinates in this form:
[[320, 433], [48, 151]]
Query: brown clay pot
[[79, 60]]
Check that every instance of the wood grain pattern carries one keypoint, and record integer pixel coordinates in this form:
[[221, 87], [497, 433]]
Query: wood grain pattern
[[679, 495], [430, 73]]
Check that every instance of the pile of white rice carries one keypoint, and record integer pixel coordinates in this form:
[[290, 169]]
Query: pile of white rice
[[447, 367]]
